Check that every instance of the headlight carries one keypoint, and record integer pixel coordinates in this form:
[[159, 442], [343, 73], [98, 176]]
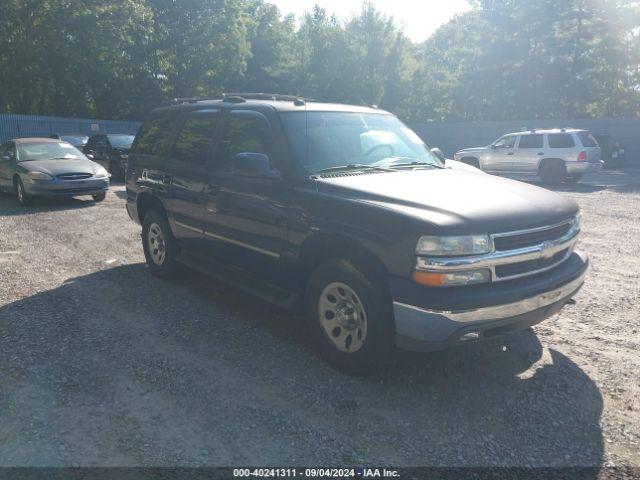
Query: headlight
[[453, 246], [39, 176], [452, 279], [101, 173]]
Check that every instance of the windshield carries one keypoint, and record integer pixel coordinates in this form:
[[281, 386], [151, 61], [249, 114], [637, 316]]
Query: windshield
[[47, 151], [121, 141], [75, 139], [325, 140]]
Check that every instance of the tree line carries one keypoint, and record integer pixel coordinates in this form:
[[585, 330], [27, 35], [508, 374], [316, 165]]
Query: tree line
[[502, 60]]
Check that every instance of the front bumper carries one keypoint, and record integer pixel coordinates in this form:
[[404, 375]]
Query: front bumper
[[66, 188], [422, 329], [581, 168]]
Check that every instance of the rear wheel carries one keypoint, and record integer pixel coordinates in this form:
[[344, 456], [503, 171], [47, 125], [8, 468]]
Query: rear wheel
[[349, 315], [553, 173], [23, 197], [160, 247]]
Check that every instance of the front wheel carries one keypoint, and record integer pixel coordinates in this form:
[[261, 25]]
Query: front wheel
[[23, 197], [350, 318], [553, 173], [159, 245], [99, 197]]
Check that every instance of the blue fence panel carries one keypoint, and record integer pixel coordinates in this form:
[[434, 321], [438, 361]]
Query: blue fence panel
[[16, 126]]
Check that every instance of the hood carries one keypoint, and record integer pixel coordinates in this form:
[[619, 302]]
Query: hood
[[60, 167], [454, 164], [457, 201]]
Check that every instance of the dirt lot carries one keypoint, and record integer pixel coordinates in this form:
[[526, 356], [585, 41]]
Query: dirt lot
[[103, 364]]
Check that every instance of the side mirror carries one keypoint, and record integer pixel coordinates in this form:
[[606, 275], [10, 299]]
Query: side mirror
[[254, 165], [438, 153]]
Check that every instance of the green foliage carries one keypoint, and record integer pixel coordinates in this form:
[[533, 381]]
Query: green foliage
[[504, 59]]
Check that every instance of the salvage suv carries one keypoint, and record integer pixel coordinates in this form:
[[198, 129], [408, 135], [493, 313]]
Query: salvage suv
[[343, 212], [556, 156]]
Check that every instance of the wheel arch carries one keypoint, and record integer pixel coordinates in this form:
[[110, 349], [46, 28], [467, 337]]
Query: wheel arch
[[145, 202], [321, 248]]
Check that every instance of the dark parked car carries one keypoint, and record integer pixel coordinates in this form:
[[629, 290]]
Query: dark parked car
[[78, 140], [111, 151], [44, 167], [344, 212]]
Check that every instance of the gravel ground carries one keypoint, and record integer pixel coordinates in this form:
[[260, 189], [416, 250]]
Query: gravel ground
[[103, 364]]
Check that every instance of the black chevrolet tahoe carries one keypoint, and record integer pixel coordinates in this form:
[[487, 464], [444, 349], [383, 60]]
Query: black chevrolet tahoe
[[343, 212]]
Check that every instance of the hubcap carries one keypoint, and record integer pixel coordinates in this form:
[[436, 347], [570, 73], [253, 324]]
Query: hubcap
[[342, 317], [155, 240]]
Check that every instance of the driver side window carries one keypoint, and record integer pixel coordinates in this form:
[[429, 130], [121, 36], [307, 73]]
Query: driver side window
[[506, 142]]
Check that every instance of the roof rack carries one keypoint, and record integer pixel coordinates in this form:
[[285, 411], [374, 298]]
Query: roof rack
[[241, 97]]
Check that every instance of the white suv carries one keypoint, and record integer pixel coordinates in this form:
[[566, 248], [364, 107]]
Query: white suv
[[556, 156]]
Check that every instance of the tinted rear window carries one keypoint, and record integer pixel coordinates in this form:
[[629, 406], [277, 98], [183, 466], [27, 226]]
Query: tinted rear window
[[587, 139], [155, 134], [530, 141], [561, 140]]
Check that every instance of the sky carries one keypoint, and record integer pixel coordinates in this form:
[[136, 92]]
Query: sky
[[420, 18]]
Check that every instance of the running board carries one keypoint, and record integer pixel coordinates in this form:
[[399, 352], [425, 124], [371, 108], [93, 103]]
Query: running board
[[240, 279]]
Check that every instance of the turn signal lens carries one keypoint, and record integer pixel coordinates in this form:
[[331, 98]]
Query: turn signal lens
[[452, 279]]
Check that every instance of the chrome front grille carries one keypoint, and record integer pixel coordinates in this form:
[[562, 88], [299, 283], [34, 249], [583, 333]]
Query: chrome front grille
[[534, 237], [74, 176], [514, 254]]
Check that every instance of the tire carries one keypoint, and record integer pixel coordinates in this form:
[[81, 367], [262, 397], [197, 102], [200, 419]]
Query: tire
[[553, 173], [350, 317], [159, 245], [474, 162], [115, 169], [24, 199], [99, 197]]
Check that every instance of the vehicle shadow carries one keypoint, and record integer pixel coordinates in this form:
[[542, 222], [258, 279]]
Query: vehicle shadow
[[120, 368], [9, 205]]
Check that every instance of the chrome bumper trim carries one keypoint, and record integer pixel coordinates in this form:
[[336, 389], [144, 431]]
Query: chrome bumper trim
[[496, 312]]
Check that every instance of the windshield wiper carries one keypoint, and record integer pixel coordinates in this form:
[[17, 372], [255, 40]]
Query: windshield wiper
[[415, 164], [353, 166], [412, 163]]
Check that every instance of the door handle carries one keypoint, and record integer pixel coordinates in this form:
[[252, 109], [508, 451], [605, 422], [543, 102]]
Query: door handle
[[540, 153], [510, 153]]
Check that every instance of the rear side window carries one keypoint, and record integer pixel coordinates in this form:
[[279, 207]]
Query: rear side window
[[530, 141], [587, 139], [155, 134], [197, 137], [245, 133], [561, 140]]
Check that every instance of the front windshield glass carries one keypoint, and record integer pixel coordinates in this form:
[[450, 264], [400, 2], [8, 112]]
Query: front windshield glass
[[121, 141], [47, 151], [325, 140], [75, 139]]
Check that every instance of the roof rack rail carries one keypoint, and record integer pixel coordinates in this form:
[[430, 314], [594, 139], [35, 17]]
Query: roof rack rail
[[269, 96], [180, 100]]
